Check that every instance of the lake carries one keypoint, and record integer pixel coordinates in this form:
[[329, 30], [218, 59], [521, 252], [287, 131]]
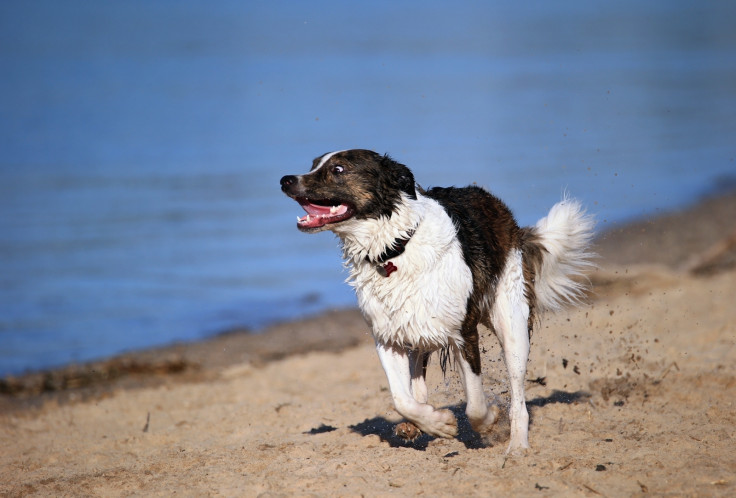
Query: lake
[[141, 143]]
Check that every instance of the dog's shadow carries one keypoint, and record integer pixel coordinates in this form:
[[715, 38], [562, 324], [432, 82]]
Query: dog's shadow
[[385, 429], [557, 396]]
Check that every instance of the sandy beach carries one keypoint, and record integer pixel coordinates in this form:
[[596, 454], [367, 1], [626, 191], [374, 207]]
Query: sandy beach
[[633, 393]]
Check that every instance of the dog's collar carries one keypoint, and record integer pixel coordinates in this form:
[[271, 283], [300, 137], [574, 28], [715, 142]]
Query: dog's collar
[[397, 248]]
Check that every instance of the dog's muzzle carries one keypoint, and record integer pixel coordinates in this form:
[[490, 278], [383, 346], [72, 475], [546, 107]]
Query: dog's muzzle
[[320, 212]]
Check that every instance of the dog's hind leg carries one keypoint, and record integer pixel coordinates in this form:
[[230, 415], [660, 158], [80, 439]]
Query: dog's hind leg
[[516, 353], [481, 415], [510, 319], [395, 362]]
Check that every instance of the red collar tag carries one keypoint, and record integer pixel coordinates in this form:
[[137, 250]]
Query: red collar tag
[[389, 268]]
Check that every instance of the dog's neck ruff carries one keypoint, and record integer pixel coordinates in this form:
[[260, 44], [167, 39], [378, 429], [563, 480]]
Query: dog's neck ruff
[[377, 240]]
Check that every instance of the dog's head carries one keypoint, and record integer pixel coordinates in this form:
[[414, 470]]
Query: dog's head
[[348, 184]]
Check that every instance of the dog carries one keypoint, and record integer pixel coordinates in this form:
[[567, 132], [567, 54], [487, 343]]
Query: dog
[[429, 266]]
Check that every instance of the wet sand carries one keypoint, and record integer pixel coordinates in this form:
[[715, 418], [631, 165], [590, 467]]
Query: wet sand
[[632, 393]]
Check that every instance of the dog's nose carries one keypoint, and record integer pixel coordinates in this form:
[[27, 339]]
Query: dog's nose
[[287, 182]]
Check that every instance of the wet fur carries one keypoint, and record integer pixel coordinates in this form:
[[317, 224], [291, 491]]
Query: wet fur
[[467, 262]]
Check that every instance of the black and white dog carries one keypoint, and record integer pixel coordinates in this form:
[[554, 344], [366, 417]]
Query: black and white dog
[[429, 266]]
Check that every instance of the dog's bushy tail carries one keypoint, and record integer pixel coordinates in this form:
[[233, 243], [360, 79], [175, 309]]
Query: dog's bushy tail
[[558, 247]]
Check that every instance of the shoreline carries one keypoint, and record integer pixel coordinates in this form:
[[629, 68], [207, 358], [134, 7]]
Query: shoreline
[[668, 242]]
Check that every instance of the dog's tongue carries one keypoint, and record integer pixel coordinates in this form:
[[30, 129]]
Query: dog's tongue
[[318, 216]]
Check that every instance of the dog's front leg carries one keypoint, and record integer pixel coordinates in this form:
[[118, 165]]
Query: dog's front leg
[[395, 362], [418, 368]]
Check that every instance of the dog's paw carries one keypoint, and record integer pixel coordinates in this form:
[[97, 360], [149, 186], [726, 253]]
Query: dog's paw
[[485, 424], [517, 447], [517, 451], [407, 431], [441, 423]]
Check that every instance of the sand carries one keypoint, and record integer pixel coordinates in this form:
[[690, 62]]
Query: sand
[[630, 394]]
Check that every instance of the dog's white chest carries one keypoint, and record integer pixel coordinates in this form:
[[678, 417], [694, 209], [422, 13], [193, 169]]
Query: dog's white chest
[[422, 303]]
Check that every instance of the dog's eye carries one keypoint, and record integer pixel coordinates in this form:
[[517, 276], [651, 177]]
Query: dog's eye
[[337, 169]]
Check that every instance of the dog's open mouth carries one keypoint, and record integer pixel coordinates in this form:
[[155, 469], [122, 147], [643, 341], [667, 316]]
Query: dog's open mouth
[[320, 212]]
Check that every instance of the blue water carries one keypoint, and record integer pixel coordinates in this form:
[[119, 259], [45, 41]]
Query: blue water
[[141, 142]]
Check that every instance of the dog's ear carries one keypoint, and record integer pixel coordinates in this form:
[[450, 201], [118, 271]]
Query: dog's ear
[[400, 176]]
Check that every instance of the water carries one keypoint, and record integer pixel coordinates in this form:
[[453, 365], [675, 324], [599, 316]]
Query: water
[[141, 143]]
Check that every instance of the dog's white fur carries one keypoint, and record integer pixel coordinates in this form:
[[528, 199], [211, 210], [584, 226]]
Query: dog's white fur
[[423, 310], [565, 232], [398, 313], [324, 160], [432, 299]]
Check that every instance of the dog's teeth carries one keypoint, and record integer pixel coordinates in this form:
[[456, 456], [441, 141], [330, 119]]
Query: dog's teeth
[[334, 209]]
